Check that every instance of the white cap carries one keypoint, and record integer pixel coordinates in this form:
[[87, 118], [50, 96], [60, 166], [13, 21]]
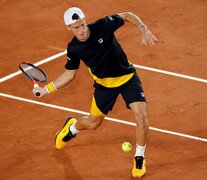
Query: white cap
[[72, 15]]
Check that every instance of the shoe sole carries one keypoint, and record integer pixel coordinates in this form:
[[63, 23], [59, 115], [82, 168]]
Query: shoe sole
[[138, 177]]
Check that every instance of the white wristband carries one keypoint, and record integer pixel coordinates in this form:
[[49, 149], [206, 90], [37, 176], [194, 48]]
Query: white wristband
[[47, 90], [54, 86]]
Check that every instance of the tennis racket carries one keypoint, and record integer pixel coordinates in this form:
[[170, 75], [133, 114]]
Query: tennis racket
[[34, 73]]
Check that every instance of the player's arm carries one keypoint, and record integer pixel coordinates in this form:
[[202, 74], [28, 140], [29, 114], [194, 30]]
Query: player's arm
[[147, 36], [60, 82], [65, 78]]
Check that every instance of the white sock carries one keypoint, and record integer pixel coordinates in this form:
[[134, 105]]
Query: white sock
[[140, 150], [73, 129]]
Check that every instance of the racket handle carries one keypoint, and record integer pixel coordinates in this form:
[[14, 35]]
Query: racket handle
[[36, 93]]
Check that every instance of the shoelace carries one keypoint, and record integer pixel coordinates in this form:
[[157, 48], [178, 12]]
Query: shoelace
[[139, 162]]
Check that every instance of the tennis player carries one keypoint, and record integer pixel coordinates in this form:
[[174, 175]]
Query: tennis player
[[96, 45]]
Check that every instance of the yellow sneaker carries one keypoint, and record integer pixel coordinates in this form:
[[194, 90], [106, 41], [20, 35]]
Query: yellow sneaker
[[139, 168], [64, 135]]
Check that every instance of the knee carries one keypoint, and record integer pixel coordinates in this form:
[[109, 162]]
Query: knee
[[96, 122], [94, 126], [142, 120]]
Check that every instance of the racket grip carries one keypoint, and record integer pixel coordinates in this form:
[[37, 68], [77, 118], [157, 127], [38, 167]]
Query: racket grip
[[36, 93]]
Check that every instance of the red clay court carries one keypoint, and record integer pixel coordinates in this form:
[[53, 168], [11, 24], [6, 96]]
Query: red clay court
[[174, 77]]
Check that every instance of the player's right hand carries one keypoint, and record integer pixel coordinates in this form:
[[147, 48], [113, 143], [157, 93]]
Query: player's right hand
[[41, 90]]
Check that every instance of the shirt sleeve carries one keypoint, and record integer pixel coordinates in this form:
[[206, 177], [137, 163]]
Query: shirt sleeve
[[113, 22], [72, 61]]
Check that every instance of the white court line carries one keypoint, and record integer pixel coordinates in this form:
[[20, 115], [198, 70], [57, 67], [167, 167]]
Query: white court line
[[37, 64], [107, 118], [171, 73], [136, 66]]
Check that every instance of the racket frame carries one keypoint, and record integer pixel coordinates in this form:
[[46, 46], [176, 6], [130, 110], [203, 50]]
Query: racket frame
[[34, 81]]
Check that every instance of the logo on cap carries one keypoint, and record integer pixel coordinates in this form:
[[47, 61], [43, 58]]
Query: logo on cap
[[75, 16]]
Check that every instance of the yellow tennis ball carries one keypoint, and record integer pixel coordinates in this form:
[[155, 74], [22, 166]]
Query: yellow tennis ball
[[126, 147]]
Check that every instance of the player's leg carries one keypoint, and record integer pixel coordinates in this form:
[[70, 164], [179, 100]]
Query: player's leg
[[73, 126], [89, 122], [142, 126], [94, 120], [102, 102], [133, 95]]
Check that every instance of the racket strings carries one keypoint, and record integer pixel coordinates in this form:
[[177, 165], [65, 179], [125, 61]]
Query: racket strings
[[35, 73]]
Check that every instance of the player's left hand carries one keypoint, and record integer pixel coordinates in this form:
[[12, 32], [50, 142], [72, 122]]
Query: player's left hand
[[147, 37]]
